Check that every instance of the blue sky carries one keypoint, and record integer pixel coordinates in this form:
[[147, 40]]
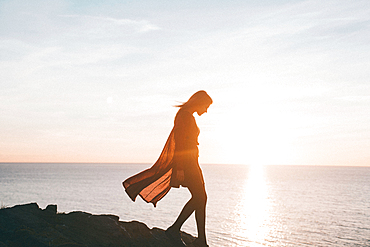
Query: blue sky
[[95, 81]]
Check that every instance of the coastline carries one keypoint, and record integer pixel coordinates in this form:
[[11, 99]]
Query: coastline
[[29, 225]]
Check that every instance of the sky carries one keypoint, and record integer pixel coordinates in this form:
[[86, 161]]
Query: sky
[[96, 81]]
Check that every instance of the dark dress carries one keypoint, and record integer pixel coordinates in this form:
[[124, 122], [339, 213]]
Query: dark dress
[[179, 153]]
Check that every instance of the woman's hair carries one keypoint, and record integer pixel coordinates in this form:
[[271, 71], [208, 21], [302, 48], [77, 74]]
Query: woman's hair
[[199, 98]]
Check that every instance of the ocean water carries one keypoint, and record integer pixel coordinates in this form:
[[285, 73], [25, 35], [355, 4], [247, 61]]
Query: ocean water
[[247, 205]]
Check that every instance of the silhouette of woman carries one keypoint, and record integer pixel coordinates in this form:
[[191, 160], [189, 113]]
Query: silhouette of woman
[[178, 165]]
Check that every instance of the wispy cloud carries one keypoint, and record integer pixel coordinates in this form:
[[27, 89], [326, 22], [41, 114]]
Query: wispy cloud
[[101, 23]]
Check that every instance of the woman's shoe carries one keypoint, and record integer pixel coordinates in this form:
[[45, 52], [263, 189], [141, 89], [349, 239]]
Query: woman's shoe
[[198, 243], [175, 237]]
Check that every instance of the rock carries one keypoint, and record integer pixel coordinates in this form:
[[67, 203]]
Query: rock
[[28, 225]]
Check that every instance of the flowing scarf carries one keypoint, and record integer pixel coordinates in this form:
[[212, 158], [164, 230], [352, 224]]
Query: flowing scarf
[[154, 183]]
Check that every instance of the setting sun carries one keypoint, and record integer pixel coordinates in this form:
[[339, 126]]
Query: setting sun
[[256, 129]]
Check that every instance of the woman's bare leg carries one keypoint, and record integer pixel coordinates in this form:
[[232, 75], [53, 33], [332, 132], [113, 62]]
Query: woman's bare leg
[[200, 217], [200, 211], [187, 210], [197, 203]]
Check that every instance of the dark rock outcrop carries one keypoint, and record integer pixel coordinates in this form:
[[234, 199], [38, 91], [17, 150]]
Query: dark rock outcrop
[[28, 225]]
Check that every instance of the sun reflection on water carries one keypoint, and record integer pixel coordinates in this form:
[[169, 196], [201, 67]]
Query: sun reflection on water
[[253, 210]]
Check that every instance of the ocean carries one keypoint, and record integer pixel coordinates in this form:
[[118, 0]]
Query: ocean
[[247, 205]]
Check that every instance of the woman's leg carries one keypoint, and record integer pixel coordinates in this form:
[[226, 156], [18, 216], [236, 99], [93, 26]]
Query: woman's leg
[[197, 203], [187, 210], [200, 210]]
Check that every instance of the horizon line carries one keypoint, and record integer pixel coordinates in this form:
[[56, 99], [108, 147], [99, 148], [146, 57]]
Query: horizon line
[[148, 163]]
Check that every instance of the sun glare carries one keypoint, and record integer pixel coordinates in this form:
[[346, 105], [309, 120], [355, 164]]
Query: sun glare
[[253, 209], [255, 131]]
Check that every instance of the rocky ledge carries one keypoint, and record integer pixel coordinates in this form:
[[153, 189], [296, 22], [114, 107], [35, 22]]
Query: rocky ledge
[[28, 225]]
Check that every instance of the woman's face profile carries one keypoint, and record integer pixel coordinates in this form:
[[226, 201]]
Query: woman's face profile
[[202, 109]]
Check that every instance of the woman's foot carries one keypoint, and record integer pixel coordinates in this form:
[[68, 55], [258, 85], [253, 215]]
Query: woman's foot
[[200, 243], [175, 236]]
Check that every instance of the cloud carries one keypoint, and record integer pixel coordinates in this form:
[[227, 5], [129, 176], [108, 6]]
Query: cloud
[[102, 23], [316, 22], [44, 22]]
